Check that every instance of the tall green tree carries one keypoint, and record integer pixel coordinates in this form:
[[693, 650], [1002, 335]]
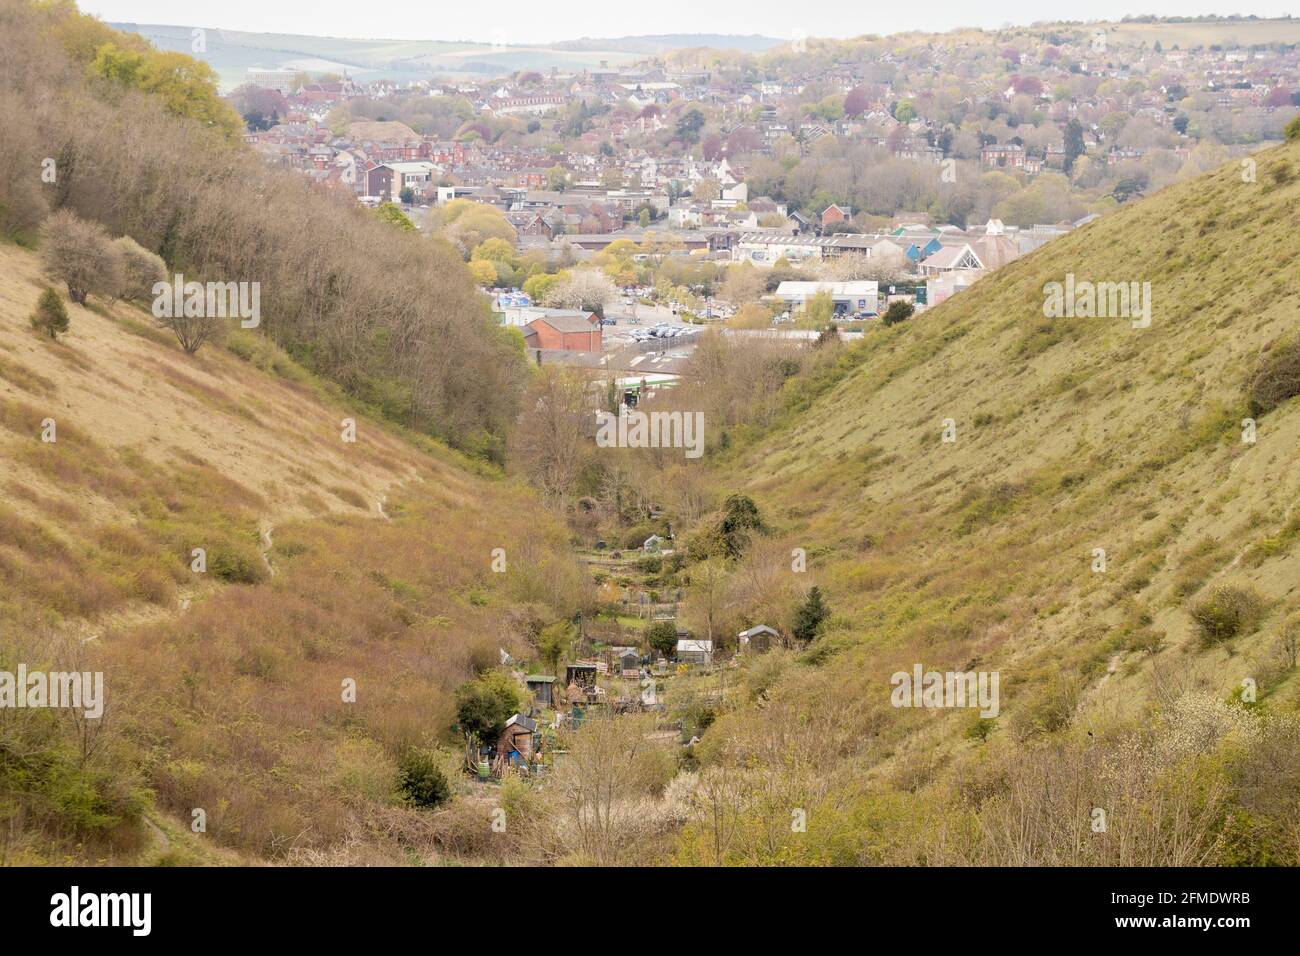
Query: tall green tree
[[1073, 143], [689, 126], [51, 316], [740, 517], [554, 642], [898, 311], [809, 615]]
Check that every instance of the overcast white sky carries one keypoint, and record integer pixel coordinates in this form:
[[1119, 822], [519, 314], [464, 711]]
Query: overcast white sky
[[532, 21]]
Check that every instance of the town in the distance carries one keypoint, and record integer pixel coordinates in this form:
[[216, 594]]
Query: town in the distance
[[782, 190]]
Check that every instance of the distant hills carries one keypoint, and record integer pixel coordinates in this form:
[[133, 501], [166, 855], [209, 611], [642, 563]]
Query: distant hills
[[673, 41], [232, 52]]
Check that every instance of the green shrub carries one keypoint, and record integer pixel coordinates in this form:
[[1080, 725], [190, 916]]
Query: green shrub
[[986, 505], [1292, 129], [420, 780], [662, 636], [554, 642], [809, 616], [1049, 710], [636, 536], [898, 311], [1227, 613], [263, 662], [139, 270], [51, 316], [979, 728], [237, 565], [484, 705]]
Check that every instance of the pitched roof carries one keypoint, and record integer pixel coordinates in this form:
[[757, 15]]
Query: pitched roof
[[948, 256], [566, 323], [526, 723]]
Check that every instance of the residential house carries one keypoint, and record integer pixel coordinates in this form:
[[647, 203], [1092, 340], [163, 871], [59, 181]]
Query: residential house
[[835, 213], [800, 223], [1003, 156], [387, 180]]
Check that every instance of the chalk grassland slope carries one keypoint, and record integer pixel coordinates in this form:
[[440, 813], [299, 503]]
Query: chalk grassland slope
[[135, 391], [403, 327], [326, 561], [1071, 435]]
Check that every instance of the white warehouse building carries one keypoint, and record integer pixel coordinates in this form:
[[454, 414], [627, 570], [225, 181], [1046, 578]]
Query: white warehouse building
[[858, 296]]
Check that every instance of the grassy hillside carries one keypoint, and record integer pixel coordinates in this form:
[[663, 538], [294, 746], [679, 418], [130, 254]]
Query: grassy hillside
[[978, 554], [403, 328], [326, 560]]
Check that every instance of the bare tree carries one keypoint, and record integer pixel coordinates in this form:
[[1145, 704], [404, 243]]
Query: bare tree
[[706, 603], [80, 254], [139, 270], [550, 441], [885, 266], [192, 332], [611, 767]]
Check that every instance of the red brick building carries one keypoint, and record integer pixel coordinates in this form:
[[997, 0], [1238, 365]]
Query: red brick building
[[834, 213], [571, 329], [1004, 156]]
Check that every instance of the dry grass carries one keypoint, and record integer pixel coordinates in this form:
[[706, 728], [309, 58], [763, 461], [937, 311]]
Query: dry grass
[[1071, 436], [225, 688]]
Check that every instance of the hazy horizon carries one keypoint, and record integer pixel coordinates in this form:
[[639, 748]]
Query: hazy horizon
[[526, 23]]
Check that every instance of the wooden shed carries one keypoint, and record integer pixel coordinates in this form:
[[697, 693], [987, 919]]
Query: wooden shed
[[516, 742], [582, 674], [629, 664], [759, 638], [539, 685]]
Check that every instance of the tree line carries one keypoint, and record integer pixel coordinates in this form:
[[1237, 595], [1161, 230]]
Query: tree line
[[390, 315]]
